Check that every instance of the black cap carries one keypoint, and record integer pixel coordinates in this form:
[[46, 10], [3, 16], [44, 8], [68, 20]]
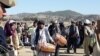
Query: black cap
[[35, 21], [41, 22]]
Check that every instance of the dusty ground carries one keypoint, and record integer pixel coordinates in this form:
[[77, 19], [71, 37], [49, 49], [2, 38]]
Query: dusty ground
[[26, 51]]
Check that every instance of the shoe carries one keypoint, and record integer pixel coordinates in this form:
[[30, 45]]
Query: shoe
[[74, 52], [68, 52], [86, 55], [34, 55]]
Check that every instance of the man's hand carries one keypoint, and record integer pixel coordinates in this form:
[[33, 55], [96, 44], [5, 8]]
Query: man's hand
[[33, 48]]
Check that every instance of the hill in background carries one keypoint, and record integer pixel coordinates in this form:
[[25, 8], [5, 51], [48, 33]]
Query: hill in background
[[65, 15]]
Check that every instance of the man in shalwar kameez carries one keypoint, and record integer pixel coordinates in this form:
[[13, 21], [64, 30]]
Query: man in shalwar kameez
[[42, 36]]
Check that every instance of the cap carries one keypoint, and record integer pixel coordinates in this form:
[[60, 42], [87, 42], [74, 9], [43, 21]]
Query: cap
[[41, 22], [35, 21], [8, 3], [56, 21], [11, 21], [87, 21]]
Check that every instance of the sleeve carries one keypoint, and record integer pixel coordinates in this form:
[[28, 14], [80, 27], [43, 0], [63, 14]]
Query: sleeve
[[2, 38], [33, 38], [77, 30], [49, 35], [58, 29], [67, 31], [85, 32]]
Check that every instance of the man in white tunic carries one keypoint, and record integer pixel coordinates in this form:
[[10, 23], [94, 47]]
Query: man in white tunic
[[42, 37], [96, 49]]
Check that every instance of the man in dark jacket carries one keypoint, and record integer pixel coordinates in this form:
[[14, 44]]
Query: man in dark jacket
[[81, 33], [73, 35], [53, 29]]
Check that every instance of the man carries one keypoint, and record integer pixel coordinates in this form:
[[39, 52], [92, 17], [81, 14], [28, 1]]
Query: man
[[53, 29], [32, 36], [25, 35], [96, 48], [41, 36], [3, 5], [87, 36], [31, 29], [73, 35], [62, 29], [19, 31], [81, 33]]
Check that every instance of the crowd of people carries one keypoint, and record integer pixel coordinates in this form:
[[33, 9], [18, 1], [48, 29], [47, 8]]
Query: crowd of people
[[80, 34]]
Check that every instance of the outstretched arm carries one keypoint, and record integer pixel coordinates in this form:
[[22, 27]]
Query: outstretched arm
[[47, 32]]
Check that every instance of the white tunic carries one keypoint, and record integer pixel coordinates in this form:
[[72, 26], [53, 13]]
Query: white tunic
[[44, 35], [43, 39], [96, 49]]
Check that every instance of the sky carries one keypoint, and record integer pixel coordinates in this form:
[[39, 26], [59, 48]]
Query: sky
[[34, 6]]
